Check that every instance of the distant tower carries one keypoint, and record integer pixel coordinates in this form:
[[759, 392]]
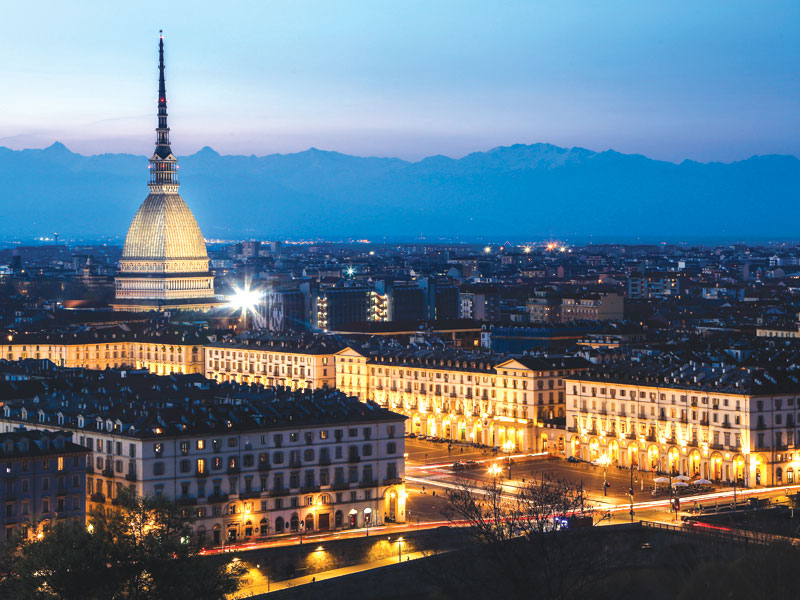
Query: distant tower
[[164, 261]]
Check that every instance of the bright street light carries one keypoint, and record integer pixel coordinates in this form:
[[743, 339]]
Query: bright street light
[[245, 300]]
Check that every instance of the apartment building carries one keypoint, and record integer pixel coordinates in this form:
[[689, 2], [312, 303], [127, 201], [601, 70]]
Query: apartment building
[[296, 362], [247, 462], [42, 481], [565, 308], [723, 423], [484, 398], [658, 284], [161, 350]]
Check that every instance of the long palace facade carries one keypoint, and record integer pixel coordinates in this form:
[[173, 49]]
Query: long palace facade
[[487, 399], [720, 423]]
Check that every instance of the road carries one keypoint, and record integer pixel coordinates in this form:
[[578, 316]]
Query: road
[[429, 475]]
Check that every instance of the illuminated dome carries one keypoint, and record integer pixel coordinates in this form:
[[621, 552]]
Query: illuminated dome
[[164, 262], [164, 228]]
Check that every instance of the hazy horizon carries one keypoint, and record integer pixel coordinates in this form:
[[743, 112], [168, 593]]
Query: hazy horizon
[[711, 81], [389, 156]]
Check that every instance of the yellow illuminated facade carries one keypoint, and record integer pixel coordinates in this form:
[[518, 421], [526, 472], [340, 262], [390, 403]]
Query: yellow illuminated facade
[[464, 399], [291, 367], [156, 356], [723, 436]]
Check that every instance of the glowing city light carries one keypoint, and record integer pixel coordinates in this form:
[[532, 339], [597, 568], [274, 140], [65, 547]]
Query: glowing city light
[[488, 249], [350, 271], [527, 249], [244, 299]]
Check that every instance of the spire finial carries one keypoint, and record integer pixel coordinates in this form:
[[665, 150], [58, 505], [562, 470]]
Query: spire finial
[[162, 167], [162, 88]]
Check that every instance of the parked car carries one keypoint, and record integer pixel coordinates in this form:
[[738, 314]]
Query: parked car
[[573, 459]]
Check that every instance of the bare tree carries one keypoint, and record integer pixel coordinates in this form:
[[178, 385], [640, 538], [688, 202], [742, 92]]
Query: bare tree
[[522, 532]]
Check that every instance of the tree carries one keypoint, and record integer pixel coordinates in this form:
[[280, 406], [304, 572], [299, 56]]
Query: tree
[[143, 550], [520, 531]]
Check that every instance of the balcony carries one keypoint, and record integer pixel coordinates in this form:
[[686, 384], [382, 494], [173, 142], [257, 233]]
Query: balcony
[[97, 497], [393, 481], [186, 501], [309, 489], [233, 469], [249, 495], [324, 461], [130, 477], [275, 492], [295, 463], [263, 466], [108, 472], [369, 483], [217, 498], [201, 473], [353, 458], [340, 485]]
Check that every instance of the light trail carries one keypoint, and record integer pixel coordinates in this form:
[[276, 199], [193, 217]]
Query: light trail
[[479, 461]]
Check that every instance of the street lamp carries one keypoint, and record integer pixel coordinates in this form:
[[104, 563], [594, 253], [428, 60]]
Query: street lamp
[[604, 462], [399, 550], [508, 448], [246, 300], [495, 470]]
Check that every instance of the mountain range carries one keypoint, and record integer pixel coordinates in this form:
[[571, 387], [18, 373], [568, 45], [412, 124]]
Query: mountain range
[[520, 191]]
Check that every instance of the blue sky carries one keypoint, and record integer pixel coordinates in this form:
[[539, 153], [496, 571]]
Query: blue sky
[[707, 80]]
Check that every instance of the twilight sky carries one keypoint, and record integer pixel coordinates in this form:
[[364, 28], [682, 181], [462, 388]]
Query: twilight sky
[[672, 79]]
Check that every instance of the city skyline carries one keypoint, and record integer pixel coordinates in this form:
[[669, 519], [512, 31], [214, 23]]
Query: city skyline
[[708, 83]]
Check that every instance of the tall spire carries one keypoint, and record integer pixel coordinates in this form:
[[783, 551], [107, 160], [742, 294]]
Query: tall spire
[[163, 164]]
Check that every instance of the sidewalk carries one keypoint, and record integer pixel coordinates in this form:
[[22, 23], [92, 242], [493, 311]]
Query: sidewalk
[[260, 589]]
